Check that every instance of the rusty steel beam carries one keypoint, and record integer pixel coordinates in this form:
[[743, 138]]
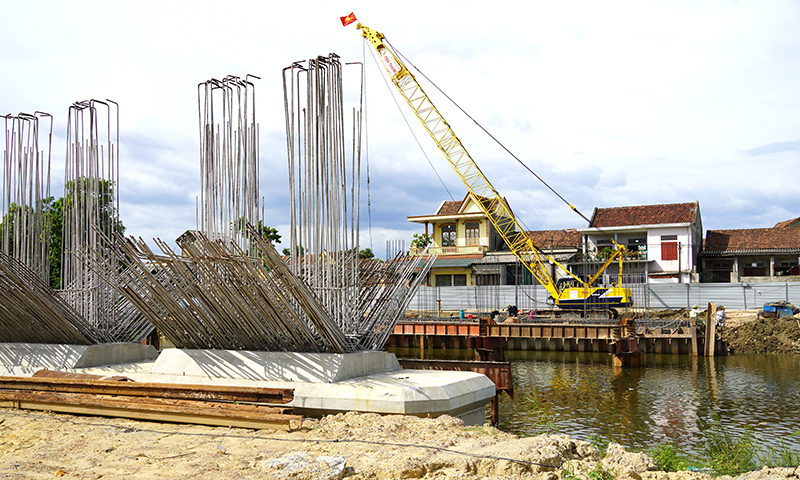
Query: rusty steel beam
[[152, 390], [163, 410], [498, 372]]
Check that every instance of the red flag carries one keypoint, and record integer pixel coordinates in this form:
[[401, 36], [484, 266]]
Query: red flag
[[348, 19]]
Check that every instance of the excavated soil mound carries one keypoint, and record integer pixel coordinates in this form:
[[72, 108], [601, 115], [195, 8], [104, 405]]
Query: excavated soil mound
[[764, 335]]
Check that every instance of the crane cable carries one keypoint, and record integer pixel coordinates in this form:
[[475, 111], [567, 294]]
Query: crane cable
[[405, 59], [574, 209], [366, 142], [403, 115]]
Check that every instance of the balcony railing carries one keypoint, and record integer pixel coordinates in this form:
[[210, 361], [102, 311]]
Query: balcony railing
[[460, 250]]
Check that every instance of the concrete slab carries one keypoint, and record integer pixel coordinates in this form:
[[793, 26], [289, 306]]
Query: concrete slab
[[392, 391], [273, 366], [53, 356]]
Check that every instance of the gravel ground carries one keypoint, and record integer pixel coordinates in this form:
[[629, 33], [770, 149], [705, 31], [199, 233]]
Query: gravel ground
[[355, 446]]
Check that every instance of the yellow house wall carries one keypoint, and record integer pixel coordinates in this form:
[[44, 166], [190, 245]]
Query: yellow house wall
[[449, 271], [461, 232]]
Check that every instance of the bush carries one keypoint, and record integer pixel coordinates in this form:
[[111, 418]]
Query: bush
[[727, 452], [668, 458], [544, 423], [781, 455]]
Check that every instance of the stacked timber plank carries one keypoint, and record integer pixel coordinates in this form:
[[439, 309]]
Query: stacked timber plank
[[244, 407]]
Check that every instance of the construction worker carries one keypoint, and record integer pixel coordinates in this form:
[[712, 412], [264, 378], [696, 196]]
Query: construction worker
[[694, 314], [720, 316]]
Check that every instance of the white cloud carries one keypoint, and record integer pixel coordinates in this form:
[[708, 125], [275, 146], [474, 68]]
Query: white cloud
[[613, 104]]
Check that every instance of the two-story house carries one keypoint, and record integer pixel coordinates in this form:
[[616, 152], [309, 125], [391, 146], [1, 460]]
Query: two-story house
[[663, 241], [753, 254], [471, 252], [460, 233]]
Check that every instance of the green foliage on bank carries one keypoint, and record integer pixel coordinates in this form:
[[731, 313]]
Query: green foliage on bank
[[725, 451]]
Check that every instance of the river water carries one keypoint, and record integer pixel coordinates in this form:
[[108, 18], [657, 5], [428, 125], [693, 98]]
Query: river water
[[672, 398]]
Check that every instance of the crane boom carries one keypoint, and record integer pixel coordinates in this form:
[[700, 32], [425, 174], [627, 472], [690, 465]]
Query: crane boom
[[490, 201]]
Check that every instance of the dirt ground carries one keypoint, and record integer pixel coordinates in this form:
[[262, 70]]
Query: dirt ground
[[746, 332], [40, 445], [47, 445], [763, 335]]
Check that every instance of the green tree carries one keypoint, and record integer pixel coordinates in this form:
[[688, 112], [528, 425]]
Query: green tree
[[268, 233], [101, 192], [19, 218], [10, 224], [366, 253], [299, 249], [56, 211], [421, 240]]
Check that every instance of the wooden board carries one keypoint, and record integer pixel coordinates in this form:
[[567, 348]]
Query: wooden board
[[163, 410]]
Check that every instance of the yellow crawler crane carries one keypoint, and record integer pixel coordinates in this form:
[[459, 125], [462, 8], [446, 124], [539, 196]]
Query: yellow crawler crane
[[570, 292]]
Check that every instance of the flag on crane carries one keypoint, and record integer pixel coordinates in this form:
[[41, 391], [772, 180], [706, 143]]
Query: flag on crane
[[348, 19]]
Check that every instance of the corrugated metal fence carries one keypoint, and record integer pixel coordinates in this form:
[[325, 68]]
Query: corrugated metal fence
[[734, 296]]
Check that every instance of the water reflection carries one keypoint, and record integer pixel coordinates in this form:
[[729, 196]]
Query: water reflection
[[582, 395]]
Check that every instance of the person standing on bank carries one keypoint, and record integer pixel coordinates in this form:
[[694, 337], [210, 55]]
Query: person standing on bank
[[720, 316]]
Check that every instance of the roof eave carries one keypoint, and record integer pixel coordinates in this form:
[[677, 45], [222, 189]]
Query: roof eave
[[455, 216], [750, 251], [634, 227]]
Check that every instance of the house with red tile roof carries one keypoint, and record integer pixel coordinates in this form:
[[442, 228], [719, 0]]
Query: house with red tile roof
[[663, 242], [753, 254], [460, 234], [501, 267], [471, 252]]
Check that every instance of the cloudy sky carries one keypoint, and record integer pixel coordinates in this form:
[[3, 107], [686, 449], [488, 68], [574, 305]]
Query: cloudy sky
[[612, 103]]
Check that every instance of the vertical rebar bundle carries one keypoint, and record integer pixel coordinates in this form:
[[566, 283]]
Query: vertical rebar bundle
[[324, 183], [228, 159], [25, 202], [365, 297], [91, 208]]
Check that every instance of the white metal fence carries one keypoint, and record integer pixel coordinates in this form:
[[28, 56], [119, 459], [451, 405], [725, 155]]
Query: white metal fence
[[734, 296]]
